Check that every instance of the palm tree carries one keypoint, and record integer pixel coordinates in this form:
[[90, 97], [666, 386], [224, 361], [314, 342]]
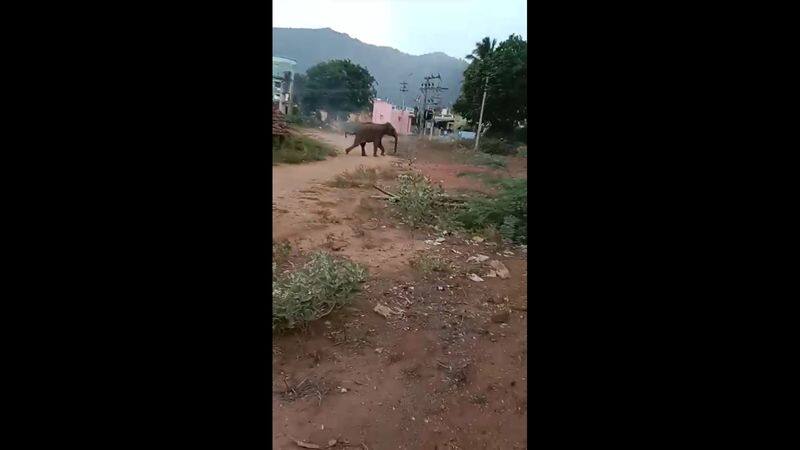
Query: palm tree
[[482, 49]]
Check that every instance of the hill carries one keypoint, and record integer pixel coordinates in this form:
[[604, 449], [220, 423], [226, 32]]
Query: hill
[[388, 65]]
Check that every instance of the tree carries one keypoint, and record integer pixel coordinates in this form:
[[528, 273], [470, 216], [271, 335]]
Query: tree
[[338, 87], [482, 49], [507, 92]]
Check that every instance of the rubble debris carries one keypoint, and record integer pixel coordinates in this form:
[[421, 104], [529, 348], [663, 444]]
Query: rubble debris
[[305, 444], [478, 258], [279, 127], [500, 268], [386, 311]]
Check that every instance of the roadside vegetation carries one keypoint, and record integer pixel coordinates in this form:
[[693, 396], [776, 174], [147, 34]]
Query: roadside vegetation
[[295, 149], [419, 203], [507, 212], [324, 284], [417, 200]]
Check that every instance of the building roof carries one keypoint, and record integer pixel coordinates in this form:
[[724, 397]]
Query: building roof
[[281, 65]]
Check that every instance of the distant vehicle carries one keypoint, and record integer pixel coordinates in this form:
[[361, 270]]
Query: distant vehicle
[[466, 134]]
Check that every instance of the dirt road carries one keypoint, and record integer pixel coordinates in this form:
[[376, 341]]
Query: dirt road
[[310, 214], [289, 179], [448, 373]]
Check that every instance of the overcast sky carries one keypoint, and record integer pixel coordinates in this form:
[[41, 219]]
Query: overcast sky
[[411, 26]]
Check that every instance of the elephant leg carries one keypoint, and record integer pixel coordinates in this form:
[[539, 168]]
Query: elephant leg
[[355, 144], [375, 145], [363, 149], [383, 151]]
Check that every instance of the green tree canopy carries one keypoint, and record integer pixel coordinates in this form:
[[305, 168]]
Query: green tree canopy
[[507, 94], [482, 49], [338, 87]]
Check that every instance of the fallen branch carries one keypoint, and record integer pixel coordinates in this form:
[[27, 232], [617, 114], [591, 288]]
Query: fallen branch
[[304, 444], [387, 193]]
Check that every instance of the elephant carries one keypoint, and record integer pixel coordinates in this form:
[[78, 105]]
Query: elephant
[[372, 132]]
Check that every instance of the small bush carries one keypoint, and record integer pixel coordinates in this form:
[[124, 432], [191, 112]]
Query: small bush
[[296, 149], [508, 212], [322, 285], [428, 264], [417, 199], [499, 146]]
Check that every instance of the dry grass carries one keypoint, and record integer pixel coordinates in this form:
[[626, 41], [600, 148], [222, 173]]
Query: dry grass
[[427, 264], [362, 177]]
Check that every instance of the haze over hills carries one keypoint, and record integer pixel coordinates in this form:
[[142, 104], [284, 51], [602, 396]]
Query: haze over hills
[[389, 66]]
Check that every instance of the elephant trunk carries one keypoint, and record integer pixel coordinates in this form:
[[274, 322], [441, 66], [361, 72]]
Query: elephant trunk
[[395, 141]]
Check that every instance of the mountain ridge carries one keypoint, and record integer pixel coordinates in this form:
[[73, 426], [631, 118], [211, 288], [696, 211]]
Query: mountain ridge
[[389, 66]]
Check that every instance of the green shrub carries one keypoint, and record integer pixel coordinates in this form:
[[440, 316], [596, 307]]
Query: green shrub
[[508, 212], [322, 285], [499, 146], [417, 199], [296, 149]]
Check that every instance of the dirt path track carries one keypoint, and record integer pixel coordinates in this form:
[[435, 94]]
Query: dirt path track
[[288, 179]]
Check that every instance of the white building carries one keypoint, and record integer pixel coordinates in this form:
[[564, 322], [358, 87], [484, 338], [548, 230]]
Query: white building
[[281, 93]]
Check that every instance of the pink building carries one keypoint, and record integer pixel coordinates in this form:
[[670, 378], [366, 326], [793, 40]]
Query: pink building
[[383, 112]]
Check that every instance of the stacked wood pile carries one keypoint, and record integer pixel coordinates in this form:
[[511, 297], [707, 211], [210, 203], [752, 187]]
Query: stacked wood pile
[[279, 126]]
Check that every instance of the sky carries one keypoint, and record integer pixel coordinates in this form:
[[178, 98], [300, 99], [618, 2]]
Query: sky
[[411, 26]]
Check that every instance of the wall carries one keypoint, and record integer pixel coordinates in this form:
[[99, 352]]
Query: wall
[[360, 117], [383, 112]]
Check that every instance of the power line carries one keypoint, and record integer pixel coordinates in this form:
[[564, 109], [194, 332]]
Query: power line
[[434, 88]]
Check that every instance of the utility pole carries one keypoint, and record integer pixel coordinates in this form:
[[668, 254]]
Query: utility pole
[[480, 120], [425, 88], [404, 90]]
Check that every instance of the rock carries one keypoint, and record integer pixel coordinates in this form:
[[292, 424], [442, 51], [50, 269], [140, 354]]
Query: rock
[[441, 239], [474, 277], [478, 258], [441, 288], [385, 311], [338, 245], [501, 317], [500, 268], [332, 442], [477, 239]]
